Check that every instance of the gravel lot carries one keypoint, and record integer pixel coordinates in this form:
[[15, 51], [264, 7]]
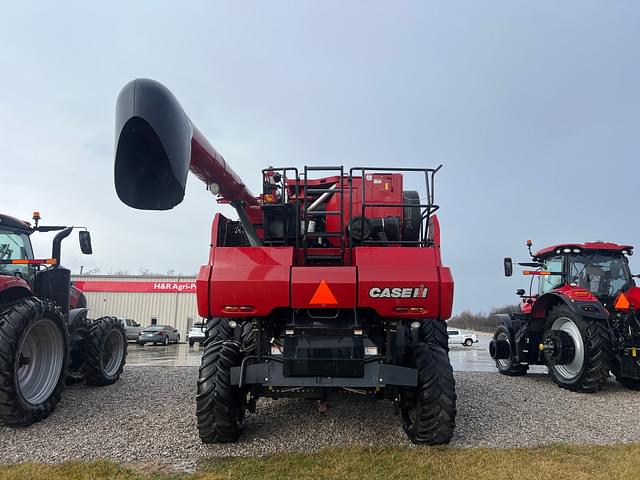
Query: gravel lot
[[149, 416]]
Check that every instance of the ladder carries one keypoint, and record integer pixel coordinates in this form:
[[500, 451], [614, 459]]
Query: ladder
[[310, 194]]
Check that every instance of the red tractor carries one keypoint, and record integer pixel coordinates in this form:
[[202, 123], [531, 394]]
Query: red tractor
[[580, 320], [330, 280], [46, 339]]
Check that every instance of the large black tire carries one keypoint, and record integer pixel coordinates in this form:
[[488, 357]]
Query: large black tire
[[434, 332], [429, 411], [25, 325], [591, 369], [220, 406], [78, 334], [508, 366], [106, 351], [217, 329]]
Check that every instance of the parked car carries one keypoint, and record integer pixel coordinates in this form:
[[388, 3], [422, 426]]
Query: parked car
[[457, 337], [163, 334], [196, 334], [132, 327]]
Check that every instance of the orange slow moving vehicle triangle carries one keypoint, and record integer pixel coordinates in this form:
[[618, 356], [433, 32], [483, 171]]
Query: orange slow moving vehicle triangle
[[323, 295], [622, 303]]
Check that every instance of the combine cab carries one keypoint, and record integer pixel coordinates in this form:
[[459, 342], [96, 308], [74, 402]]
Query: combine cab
[[329, 280], [46, 339], [580, 318]]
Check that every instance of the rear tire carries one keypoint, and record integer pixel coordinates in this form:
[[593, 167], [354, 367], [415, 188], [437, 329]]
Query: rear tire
[[220, 407], [593, 351], [79, 333], [106, 352], [434, 332], [508, 366], [191, 344], [429, 411], [30, 391]]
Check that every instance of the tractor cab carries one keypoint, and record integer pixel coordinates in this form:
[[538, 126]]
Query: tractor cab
[[601, 268]]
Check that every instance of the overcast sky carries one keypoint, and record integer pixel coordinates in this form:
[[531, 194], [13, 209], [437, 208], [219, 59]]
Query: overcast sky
[[533, 107]]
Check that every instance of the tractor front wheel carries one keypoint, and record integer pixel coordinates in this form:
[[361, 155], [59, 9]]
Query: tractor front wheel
[[429, 410], [34, 357], [507, 366], [106, 351], [586, 367]]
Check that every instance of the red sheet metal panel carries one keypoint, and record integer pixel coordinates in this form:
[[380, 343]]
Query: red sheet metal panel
[[393, 279], [323, 287], [256, 277]]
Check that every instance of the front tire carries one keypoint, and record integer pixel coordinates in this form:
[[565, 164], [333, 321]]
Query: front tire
[[429, 411], [106, 352], [34, 357], [508, 366], [435, 332], [220, 407], [589, 368], [468, 342]]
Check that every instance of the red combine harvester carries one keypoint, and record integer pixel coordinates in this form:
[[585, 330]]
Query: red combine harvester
[[328, 281], [581, 321]]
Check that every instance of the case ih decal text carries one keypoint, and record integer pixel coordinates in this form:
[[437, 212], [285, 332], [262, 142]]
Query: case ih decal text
[[399, 292]]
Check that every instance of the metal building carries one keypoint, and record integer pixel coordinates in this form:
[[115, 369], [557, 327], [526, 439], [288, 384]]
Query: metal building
[[169, 300]]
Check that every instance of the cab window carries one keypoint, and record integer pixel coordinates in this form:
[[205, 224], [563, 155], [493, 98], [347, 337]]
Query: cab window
[[549, 282], [15, 246]]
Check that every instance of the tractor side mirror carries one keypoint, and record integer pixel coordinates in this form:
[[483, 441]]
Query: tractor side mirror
[[85, 242], [508, 267], [520, 292]]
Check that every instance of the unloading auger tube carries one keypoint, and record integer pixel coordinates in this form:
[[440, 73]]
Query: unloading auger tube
[[157, 145]]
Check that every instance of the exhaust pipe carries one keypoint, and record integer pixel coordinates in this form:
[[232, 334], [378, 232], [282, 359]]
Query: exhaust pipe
[[157, 145]]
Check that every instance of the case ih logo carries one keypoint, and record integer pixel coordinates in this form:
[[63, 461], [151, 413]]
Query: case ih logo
[[399, 292]]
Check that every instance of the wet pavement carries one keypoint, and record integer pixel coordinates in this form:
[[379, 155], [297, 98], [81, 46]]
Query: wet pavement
[[463, 359]]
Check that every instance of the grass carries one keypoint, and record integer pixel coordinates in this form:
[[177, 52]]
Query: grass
[[554, 463]]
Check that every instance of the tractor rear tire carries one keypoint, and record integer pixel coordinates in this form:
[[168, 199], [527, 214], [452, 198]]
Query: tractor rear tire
[[429, 411], [33, 333], [220, 406], [79, 333], [589, 370], [106, 352], [508, 366], [434, 332]]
